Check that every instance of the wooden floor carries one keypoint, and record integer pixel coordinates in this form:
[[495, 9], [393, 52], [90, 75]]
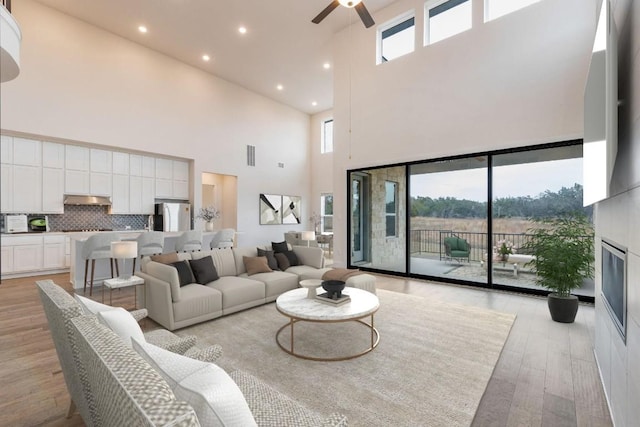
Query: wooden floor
[[546, 375]]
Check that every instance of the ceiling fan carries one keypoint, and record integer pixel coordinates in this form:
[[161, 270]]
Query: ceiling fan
[[364, 14]]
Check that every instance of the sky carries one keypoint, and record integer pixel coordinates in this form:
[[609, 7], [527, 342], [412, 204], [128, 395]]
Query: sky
[[529, 179]]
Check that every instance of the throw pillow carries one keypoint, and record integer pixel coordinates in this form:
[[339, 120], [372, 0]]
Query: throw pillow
[[255, 265], [283, 261], [279, 247], [184, 272], [91, 307], [216, 398], [165, 258], [122, 323], [292, 257], [271, 259], [203, 270]]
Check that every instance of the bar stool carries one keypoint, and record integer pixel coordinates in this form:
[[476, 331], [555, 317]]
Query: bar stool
[[149, 243], [189, 241], [223, 239], [97, 246]]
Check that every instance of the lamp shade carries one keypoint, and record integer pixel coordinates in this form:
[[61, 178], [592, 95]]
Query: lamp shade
[[309, 235], [124, 250]]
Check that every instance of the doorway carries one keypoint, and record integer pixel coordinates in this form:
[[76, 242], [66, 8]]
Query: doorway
[[221, 191], [359, 223]]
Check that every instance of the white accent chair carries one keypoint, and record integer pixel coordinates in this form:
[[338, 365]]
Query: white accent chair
[[189, 241], [97, 246], [149, 243]]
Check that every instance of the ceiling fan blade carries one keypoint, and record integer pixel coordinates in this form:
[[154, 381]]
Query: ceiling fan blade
[[327, 10], [367, 20]]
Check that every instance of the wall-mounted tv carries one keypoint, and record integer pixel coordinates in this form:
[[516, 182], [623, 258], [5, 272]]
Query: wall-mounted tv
[[614, 284]]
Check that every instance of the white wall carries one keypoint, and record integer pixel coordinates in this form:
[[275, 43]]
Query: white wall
[[81, 83], [321, 163], [515, 81], [618, 219]]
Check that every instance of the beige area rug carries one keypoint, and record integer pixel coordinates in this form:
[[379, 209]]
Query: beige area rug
[[431, 367]]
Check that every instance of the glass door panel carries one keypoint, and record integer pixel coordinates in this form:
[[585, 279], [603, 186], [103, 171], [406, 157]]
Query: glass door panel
[[448, 219]]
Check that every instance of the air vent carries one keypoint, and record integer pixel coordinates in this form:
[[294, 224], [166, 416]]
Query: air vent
[[251, 155]]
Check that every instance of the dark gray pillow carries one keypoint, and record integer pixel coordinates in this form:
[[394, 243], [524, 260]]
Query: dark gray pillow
[[185, 276], [279, 247], [271, 259], [292, 257], [203, 270], [283, 261]]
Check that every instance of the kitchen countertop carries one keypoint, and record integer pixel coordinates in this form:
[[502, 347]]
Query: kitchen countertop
[[83, 235]]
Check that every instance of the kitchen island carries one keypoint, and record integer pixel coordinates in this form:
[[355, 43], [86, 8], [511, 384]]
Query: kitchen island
[[103, 270]]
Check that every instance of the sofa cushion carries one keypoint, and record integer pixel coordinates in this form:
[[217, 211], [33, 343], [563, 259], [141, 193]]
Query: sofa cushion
[[276, 282], [305, 272], [239, 254], [215, 397], [279, 247], [168, 274], [203, 270], [255, 265], [283, 261], [185, 276], [122, 323], [271, 259], [239, 292], [197, 301]]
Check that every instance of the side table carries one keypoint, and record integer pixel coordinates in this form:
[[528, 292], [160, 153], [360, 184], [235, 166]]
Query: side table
[[118, 283]]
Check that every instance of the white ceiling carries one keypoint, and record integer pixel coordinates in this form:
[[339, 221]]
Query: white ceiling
[[281, 45]]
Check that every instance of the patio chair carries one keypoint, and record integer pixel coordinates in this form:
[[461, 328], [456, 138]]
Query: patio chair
[[456, 248]]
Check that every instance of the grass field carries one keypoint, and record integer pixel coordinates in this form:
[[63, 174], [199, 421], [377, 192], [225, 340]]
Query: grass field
[[472, 225]]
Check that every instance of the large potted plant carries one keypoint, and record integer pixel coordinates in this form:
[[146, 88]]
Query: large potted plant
[[563, 256]]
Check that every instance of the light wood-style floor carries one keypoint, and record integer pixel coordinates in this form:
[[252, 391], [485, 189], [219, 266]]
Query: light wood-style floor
[[546, 375]]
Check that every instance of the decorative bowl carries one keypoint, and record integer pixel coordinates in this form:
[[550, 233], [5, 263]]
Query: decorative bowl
[[334, 288]]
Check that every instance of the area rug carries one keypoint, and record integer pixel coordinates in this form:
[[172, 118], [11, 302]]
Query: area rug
[[431, 367]]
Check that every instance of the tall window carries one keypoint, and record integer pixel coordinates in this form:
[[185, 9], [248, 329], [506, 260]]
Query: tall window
[[496, 8], [391, 208], [326, 211], [396, 38], [446, 19], [327, 136]]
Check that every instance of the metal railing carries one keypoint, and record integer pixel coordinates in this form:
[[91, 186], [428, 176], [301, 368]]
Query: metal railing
[[432, 241]]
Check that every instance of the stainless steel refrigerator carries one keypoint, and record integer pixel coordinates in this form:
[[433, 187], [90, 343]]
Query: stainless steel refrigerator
[[172, 217]]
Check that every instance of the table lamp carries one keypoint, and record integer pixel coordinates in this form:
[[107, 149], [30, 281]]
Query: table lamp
[[308, 236], [124, 250]]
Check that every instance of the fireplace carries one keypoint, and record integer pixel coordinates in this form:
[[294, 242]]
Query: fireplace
[[614, 284]]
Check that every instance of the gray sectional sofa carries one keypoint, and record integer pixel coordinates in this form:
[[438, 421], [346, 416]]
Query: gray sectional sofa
[[174, 306]]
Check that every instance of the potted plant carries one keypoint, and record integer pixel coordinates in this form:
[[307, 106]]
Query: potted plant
[[208, 214], [504, 249], [563, 256]]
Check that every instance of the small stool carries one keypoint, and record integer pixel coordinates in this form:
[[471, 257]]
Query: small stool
[[97, 246], [149, 243], [189, 241]]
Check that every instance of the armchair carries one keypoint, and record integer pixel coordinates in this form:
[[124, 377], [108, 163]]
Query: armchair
[[456, 248]]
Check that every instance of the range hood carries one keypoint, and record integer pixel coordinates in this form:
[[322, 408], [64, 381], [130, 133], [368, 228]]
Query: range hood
[[70, 199]]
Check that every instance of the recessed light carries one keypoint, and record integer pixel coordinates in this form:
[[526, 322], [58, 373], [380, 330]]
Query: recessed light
[[279, 87], [242, 30], [314, 103], [142, 29], [206, 57], [326, 65]]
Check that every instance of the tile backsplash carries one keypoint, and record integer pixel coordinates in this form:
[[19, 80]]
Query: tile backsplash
[[90, 217]]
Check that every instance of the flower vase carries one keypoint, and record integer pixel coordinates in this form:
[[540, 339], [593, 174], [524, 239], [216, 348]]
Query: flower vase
[[504, 257], [208, 226]]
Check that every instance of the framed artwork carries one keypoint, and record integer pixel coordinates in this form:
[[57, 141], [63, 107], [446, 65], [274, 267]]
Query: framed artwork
[[291, 210], [270, 209]]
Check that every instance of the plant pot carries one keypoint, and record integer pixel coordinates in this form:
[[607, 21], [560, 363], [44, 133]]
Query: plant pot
[[562, 309], [208, 226]]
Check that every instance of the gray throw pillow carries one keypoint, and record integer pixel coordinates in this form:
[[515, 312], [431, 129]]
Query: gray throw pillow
[[279, 247], [271, 259], [283, 261], [203, 270], [184, 272]]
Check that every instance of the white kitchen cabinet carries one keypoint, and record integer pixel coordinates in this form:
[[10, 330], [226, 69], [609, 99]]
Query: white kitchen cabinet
[[120, 163], [120, 197], [76, 182], [164, 188], [164, 169], [6, 259], [27, 152], [53, 252], [135, 165], [180, 170], [6, 149], [180, 189], [148, 167], [67, 251], [27, 252], [101, 160], [27, 189], [141, 196], [6, 188], [148, 196], [76, 158], [100, 184], [52, 190], [52, 155]]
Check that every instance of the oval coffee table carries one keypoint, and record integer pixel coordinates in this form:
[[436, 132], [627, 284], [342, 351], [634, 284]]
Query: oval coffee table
[[298, 308]]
